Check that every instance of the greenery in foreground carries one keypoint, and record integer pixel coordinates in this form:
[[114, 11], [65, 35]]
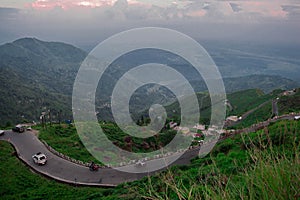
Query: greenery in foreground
[[262, 165], [18, 182], [64, 138]]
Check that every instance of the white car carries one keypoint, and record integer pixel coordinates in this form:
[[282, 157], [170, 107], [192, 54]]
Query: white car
[[140, 163], [1, 132], [297, 117], [39, 158], [201, 142]]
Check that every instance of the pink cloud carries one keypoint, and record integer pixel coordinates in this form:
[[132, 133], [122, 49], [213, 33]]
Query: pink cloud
[[197, 13], [65, 4], [262, 8], [266, 8]]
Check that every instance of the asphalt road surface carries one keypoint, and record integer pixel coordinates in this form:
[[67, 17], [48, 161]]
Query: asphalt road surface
[[27, 144], [275, 107]]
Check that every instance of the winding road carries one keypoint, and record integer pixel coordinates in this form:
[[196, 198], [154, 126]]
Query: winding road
[[27, 144], [57, 168]]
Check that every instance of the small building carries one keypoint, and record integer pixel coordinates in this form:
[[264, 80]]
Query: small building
[[199, 127], [177, 128], [289, 92], [207, 133], [198, 135], [232, 118], [172, 124]]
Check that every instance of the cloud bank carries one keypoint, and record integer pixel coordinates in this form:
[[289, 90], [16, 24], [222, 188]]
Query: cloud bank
[[72, 20]]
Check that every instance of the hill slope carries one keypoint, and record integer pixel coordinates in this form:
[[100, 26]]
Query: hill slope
[[38, 76], [239, 167]]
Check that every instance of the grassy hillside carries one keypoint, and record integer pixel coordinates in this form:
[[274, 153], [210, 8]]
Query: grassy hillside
[[287, 104], [253, 104], [38, 76], [246, 100], [261, 114], [19, 182], [262, 165], [65, 139], [266, 83], [241, 102]]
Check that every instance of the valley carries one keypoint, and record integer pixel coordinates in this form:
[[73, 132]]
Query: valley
[[47, 71]]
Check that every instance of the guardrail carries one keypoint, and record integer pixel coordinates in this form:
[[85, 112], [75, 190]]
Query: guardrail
[[254, 127], [259, 126], [61, 155]]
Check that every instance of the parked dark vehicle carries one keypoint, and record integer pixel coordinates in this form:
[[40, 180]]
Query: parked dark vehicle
[[19, 129]]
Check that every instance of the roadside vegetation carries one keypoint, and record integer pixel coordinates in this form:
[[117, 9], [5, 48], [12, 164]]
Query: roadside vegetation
[[288, 104], [240, 103], [261, 165], [19, 182], [247, 100], [262, 114], [64, 139]]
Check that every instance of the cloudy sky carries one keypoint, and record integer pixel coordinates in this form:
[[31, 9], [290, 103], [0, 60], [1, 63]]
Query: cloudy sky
[[85, 22]]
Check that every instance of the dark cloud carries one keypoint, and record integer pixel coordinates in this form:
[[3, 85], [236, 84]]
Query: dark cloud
[[235, 7], [8, 12], [293, 11]]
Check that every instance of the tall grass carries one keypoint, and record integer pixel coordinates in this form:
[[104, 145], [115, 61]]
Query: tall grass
[[273, 172]]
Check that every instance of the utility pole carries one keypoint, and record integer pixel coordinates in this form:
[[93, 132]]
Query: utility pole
[[50, 117], [59, 116]]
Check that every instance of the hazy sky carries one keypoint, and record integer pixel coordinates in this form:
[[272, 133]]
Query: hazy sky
[[85, 22]]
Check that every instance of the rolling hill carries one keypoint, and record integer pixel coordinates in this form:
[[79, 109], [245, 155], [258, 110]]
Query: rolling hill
[[38, 76]]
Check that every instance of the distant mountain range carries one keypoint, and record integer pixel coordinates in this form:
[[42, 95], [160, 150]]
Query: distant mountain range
[[38, 76]]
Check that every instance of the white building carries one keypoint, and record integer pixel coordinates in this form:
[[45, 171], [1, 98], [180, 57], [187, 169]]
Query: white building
[[199, 127], [232, 118]]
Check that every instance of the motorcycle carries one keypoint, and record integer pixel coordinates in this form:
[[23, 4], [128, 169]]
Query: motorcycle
[[93, 167]]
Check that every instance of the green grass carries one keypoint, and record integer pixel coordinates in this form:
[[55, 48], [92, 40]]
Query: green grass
[[262, 114], [246, 100], [242, 102], [288, 104], [64, 139], [261, 165], [18, 182]]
